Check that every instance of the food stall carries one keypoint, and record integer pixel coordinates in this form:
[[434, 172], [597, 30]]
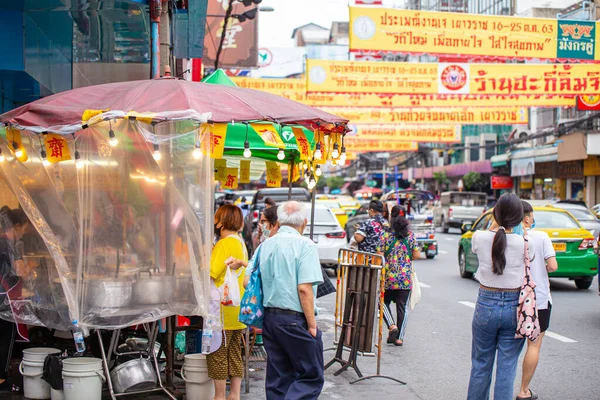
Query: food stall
[[121, 201]]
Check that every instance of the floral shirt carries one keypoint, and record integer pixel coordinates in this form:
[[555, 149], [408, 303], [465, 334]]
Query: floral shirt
[[373, 230], [398, 261]]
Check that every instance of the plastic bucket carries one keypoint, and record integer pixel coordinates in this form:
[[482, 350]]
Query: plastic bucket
[[83, 378], [57, 394], [32, 368], [198, 386]]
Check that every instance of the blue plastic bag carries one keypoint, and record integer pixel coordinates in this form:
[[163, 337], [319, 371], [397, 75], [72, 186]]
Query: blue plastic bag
[[252, 310]]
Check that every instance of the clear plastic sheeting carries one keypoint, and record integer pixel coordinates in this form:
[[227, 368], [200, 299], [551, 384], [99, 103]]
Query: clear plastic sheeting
[[120, 236]]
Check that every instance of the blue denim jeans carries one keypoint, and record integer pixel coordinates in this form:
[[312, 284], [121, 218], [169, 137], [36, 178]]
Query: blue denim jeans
[[494, 326]]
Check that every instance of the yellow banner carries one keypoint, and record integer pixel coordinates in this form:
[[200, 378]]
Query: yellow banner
[[372, 145], [13, 136], [273, 183], [269, 135], [431, 78], [295, 89], [231, 178], [57, 149], [245, 171], [302, 143], [449, 115], [400, 132], [220, 170], [273, 171], [458, 34], [218, 133]]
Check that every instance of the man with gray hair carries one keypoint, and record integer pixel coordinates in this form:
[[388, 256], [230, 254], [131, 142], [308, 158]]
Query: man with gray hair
[[290, 272]]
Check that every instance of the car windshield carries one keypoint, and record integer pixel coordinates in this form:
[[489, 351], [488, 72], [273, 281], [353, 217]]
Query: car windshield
[[329, 203], [468, 199], [554, 220], [581, 214]]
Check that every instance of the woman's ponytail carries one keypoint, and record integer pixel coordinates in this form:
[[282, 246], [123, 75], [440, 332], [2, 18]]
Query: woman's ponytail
[[508, 213], [498, 248]]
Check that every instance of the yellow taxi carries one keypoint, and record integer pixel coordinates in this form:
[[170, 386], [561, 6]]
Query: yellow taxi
[[335, 208], [575, 247], [348, 203]]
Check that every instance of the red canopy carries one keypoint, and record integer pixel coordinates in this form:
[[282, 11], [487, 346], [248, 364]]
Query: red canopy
[[161, 96]]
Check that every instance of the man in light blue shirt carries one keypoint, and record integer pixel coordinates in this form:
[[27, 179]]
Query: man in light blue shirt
[[290, 272]]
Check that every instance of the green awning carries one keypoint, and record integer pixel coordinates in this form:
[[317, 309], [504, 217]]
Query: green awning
[[500, 160]]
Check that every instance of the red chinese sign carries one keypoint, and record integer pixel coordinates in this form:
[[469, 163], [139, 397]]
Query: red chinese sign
[[502, 182]]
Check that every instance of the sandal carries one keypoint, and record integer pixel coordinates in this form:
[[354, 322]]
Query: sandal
[[532, 396], [393, 336]]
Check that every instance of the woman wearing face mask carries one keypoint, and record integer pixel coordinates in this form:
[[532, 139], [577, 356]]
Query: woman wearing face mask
[[226, 362]]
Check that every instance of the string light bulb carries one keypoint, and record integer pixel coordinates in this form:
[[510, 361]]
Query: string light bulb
[[45, 161], [18, 150], [197, 153], [2, 158], [78, 163], [343, 156], [281, 155], [318, 153], [335, 153], [312, 183], [156, 154], [318, 171], [247, 151], [112, 139]]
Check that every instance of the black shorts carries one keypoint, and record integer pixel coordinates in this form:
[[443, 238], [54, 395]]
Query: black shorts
[[544, 317]]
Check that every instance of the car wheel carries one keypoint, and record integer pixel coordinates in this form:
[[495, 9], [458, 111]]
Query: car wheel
[[462, 265], [583, 283], [430, 256]]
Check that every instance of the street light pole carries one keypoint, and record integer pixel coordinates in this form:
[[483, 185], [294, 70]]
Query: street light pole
[[223, 32]]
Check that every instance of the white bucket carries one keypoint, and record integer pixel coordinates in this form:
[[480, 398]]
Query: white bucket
[[32, 368], [57, 394], [83, 378], [198, 386]]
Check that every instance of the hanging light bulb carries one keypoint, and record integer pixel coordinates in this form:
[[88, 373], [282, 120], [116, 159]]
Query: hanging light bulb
[[112, 139], [280, 155], [197, 153], [318, 171], [335, 153], [247, 151], [312, 183], [18, 150], [343, 156], [318, 153], [156, 153], [78, 162], [2, 158], [45, 161]]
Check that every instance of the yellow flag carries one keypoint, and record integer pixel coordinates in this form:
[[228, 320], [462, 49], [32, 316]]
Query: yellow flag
[[57, 149], [231, 178], [89, 114], [302, 142], [13, 136], [245, 171], [220, 170], [295, 173], [273, 183], [273, 171], [320, 139], [218, 133], [269, 135]]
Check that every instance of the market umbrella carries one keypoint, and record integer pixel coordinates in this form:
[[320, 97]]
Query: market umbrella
[[164, 99]]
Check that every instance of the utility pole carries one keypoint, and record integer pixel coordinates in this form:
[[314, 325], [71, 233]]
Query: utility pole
[[165, 37]]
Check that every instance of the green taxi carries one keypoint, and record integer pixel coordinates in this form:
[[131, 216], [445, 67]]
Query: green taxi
[[576, 249]]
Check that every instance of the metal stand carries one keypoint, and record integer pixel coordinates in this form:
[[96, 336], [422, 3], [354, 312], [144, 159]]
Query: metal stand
[[152, 333]]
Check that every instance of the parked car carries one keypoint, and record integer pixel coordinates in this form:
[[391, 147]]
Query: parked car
[[329, 235], [587, 219], [458, 208], [336, 209], [361, 215], [575, 247], [596, 210], [248, 195], [279, 195]]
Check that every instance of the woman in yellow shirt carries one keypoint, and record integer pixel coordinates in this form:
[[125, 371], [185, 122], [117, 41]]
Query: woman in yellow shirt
[[226, 362]]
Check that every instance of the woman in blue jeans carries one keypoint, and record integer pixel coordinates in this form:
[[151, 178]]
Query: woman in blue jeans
[[500, 274]]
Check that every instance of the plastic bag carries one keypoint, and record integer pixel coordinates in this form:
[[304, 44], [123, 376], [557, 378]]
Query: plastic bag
[[230, 291], [415, 295], [252, 310]]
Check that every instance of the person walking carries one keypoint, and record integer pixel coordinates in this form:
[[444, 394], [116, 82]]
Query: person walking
[[544, 263], [226, 362], [399, 248], [500, 274], [369, 234], [290, 272]]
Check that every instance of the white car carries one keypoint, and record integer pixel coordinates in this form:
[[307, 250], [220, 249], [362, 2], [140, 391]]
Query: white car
[[329, 235]]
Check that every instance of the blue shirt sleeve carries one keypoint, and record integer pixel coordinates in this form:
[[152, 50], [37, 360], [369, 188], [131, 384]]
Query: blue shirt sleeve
[[309, 266]]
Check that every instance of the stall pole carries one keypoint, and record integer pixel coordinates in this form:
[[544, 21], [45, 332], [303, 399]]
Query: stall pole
[[290, 177], [312, 212], [155, 9]]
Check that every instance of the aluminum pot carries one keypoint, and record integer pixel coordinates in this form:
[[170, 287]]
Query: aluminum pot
[[133, 375], [109, 293], [152, 289]]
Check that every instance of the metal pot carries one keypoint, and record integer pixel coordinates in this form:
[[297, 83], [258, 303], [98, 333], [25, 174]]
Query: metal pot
[[152, 289], [133, 375], [109, 293]]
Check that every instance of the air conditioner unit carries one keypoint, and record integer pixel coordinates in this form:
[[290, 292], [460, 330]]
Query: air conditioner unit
[[521, 135]]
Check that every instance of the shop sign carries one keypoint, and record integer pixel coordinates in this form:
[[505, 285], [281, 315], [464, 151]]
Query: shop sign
[[295, 89], [400, 132], [591, 166], [502, 182], [522, 166], [374, 145], [450, 115], [430, 78], [526, 182], [385, 30], [544, 170], [570, 170], [588, 102]]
